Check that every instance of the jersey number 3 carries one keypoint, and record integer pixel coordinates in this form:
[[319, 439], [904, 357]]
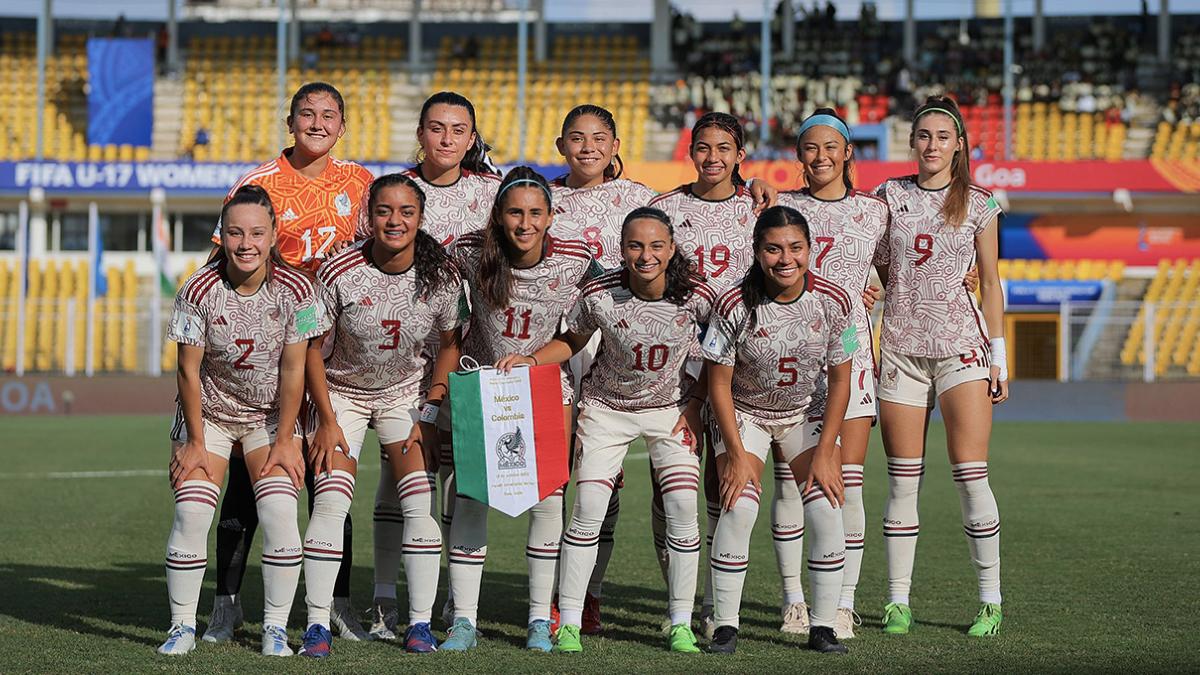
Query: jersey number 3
[[392, 328]]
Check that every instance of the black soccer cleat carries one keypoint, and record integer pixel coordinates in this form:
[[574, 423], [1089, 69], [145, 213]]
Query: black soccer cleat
[[822, 639], [724, 640]]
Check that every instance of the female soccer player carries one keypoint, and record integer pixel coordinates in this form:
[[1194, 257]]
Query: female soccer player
[[384, 296], [320, 203], [847, 227], [648, 314], [523, 282], [241, 322], [935, 346], [769, 341]]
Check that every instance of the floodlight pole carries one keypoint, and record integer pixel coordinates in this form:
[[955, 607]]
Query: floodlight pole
[[172, 36], [522, 73], [764, 125], [43, 49], [281, 66], [1008, 80]]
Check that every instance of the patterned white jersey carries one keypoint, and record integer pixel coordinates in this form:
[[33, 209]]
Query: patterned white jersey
[[845, 237], [380, 326], [456, 209], [927, 311], [243, 338], [779, 352], [644, 344], [540, 298], [595, 214], [717, 236]]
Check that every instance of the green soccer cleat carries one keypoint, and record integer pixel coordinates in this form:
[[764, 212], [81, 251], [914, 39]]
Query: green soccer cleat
[[897, 619], [987, 621], [682, 640], [567, 639]]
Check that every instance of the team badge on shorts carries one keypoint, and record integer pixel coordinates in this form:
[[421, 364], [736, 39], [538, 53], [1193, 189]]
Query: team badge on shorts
[[342, 203], [510, 451]]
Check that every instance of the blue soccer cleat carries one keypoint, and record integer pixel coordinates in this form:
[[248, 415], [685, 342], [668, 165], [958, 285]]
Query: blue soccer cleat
[[317, 642], [419, 640]]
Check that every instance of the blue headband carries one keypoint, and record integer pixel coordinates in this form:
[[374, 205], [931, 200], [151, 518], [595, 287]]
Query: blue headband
[[525, 180], [827, 121]]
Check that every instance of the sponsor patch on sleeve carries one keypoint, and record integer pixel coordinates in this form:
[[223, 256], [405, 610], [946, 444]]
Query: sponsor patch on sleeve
[[187, 326], [850, 340], [306, 319]]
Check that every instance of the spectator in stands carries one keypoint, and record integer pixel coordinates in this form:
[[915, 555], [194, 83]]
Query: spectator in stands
[[201, 138]]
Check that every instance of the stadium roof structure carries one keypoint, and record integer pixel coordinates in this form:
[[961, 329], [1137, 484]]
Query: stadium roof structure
[[357, 11]]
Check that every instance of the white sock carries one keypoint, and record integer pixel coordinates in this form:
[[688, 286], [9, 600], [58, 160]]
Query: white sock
[[854, 519], [422, 547], [680, 488], [187, 547], [730, 557], [604, 549], [981, 523], [282, 556], [541, 553], [787, 529], [446, 479], [580, 544], [389, 533], [714, 519], [468, 551], [901, 525], [826, 555], [323, 541], [658, 529]]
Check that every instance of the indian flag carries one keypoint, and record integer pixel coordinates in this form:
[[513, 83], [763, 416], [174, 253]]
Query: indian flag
[[161, 242], [510, 448]]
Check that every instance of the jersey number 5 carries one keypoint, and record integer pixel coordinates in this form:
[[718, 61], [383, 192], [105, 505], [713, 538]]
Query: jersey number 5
[[787, 368], [247, 346], [924, 248]]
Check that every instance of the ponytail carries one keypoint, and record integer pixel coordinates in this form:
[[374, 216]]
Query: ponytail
[[476, 159], [954, 209]]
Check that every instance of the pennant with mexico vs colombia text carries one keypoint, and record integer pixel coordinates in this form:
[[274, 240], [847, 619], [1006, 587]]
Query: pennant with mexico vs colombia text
[[510, 448]]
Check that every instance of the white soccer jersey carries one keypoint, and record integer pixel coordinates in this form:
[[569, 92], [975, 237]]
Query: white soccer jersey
[[928, 311], [595, 214], [717, 236], [779, 352], [845, 237], [380, 325], [243, 338], [643, 346], [456, 209]]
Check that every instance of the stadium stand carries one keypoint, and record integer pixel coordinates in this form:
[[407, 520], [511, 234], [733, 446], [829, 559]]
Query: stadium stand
[[1175, 292]]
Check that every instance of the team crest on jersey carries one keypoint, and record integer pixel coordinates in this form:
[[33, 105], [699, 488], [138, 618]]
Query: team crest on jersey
[[554, 283], [510, 451], [891, 375], [273, 313], [816, 324], [342, 204]]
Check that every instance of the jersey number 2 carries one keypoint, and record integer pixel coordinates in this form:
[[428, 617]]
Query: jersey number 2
[[247, 346]]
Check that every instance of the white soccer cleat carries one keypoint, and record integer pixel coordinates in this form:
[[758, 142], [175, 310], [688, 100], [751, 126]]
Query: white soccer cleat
[[226, 618], [345, 619], [795, 618], [708, 625], [384, 617], [180, 640], [843, 625], [275, 641]]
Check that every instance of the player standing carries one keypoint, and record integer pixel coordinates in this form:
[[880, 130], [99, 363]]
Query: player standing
[[523, 282], [935, 346], [384, 296], [770, 339], [241, 322], [319, 202]]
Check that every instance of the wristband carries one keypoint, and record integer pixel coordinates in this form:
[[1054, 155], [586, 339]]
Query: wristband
[[1000, 357], [429, 413]]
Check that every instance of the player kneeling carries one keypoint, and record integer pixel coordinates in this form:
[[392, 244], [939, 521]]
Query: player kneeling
[[769, 341], [241, 322]]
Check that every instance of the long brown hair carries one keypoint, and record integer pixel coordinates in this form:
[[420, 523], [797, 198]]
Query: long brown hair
[[476, 159], [495, 270], [433, 267], [681, 274], [754, 284], [954, 209], [256, 195]]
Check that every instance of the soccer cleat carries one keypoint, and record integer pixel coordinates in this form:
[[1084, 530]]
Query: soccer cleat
[[822, 639], [795, 618], [180, 640], [987, 622], [275, 641], [317, 642], [843, 625], [384, 617], [554, 615], [419, 639], [226, 618], [591, 615], [665, 626], [567, 639], [345, 619], [724, 640], [897, 619], [682, 640], [708, 626], [462, 636], [538, 636]]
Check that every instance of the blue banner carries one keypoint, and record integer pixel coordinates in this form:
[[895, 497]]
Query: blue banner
[[1051, 293], [120, 91]]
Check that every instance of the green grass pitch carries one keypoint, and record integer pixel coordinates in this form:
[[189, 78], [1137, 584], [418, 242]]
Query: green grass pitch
[[1100, 558]]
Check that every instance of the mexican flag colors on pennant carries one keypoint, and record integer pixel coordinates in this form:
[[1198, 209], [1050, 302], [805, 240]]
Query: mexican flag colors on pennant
[[510, 448]]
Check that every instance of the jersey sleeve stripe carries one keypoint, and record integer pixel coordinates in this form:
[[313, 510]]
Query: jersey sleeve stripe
[[729, 301], [201, 286], [341, 262], [334, 274], [821, 285], [703, 290], [289, 279]]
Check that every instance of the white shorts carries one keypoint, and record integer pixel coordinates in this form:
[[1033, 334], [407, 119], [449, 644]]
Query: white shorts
[[581, 363], [603, 437], [862, 394], [918, 380], [219, 437], [793, 438], [393, 424]]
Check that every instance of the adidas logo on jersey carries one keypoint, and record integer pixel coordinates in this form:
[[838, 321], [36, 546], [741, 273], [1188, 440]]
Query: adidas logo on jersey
[[622, 324], [762, 333], [366, 301], [220, 321], [686, 223], [289, 215], [902, 208]]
